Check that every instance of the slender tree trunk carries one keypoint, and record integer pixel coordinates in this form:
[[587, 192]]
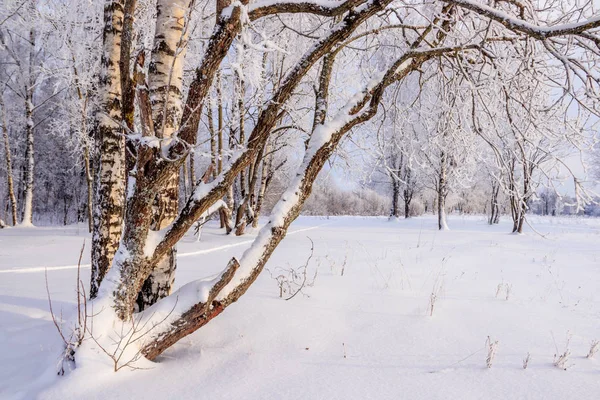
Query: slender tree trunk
[[219, 122], [513, 197], [192, 171], [29, 153], [89, 179], [185, 177], [407, 201], [497, 214], [514, 208], [218, 85], [408, 191], [442, 192], [89, 176], [265, 177], [494, 207], [258, 164], [521, 220], [30, 160], [213, 137], [241, 220], [395, 196], [232, 192], [247, 208], [9, 177], [20, 188], [528, 168]]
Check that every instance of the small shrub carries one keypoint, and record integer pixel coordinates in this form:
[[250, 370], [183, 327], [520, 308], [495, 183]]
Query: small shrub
[[562, 360], [492, 348], [594, 348]]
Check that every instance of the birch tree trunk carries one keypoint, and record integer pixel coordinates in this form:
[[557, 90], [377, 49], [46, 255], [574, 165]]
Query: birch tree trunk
[[9, 177], [495, 209], [110, 168], [140, 251], [165, 82], [30, 162], [29, 128], [442, 192], [242, 200], [266, 175]]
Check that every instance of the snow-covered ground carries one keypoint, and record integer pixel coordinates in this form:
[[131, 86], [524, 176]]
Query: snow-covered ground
[[366, 334]]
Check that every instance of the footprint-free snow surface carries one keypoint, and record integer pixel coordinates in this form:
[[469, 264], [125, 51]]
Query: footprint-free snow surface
[[363, 327]]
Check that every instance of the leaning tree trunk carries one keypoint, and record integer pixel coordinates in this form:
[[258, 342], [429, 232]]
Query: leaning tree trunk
[[199, 302], [224, 290], [165, 81], [110, 150], [442, 192], [9, 177]]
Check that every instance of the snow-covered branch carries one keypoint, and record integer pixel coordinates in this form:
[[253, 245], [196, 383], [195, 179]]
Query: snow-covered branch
[[519, 25]]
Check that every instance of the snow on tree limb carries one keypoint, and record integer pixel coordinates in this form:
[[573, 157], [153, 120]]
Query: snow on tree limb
[[518, 25], [323, 8]]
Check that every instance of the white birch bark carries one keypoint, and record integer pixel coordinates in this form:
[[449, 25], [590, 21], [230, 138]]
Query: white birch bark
[[110, 181], [165, 81], [8, 158], [29, 129], [442, 192]]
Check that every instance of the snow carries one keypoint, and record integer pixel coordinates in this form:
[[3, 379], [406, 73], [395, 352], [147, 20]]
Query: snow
[[153, 240], [366, 334]]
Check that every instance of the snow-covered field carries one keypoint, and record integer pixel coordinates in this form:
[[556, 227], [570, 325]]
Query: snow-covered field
[[366, 334]]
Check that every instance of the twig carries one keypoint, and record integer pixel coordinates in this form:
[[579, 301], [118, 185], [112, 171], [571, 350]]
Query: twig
[[312, 247]]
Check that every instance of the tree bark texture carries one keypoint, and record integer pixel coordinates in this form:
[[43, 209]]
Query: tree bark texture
[[110, 170], [8, 158]]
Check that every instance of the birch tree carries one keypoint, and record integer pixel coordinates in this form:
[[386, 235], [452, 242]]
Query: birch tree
[[8, 159], [430, 32]]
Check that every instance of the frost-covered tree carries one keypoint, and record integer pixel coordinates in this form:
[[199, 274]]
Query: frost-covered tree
[[310, 73]]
